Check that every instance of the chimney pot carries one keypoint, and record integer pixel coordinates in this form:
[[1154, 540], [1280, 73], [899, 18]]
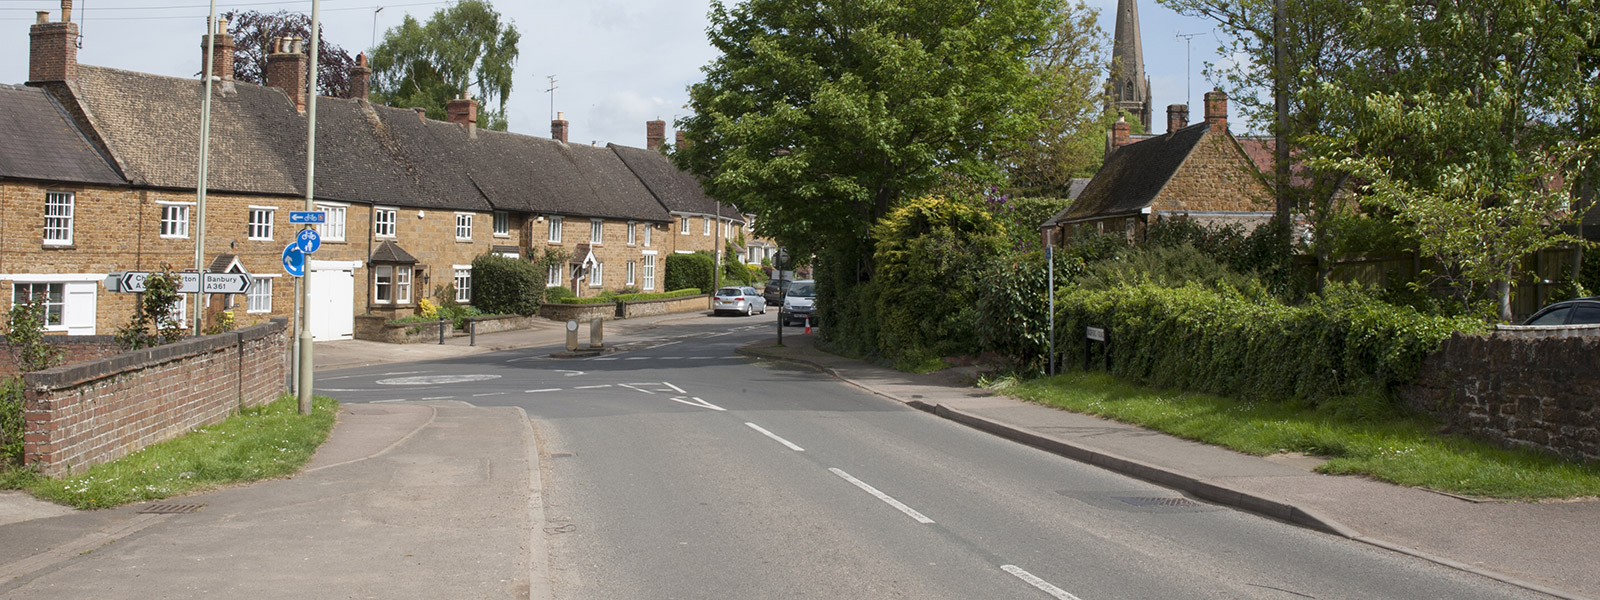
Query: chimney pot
[[558, 127], [286, 70], [66, 11], [42, 16], [655, 134], [1177, 117], [463, 111], [422, 113], [360, 78], [1217, 110], [222, 56], [1120, 132], [53, 47]]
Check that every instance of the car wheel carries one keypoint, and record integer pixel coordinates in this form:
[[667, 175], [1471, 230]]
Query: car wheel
[[749, 309]]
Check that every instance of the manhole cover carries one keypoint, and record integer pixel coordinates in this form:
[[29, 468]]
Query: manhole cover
[[1148, 501], [434, 379], [170, 509]]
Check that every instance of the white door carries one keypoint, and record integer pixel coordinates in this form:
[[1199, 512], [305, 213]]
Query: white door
[[332, 304], [78, 311]]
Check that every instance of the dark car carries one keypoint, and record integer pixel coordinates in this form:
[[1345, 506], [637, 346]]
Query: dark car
[[774, 291], [1582, 311]]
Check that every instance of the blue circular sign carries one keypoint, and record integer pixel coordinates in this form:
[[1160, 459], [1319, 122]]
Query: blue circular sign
[[308, 240], [294, 261]]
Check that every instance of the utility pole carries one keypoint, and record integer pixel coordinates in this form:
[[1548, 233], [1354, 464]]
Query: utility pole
[[375, 12], [200, 179], [304, 391], [1280, 92], [716, 275]]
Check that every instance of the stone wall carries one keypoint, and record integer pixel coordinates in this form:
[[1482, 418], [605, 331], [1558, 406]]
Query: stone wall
[[95, 412], [1517, 390], [74, 349], [686, 304], [582, 312], [378, 328]]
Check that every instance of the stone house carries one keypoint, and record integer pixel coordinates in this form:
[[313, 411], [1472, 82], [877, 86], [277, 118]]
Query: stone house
[[100, 176], [1198, 172]]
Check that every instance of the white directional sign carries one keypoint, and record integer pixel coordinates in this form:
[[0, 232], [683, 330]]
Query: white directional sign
[[226, 283], [188, 283]]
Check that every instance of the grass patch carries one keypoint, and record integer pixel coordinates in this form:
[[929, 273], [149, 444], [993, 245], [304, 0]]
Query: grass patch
[[1360, 435], [258, 443]]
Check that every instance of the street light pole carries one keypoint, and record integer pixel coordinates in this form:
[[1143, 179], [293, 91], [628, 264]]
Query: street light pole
[[304, 391], [200, 179]]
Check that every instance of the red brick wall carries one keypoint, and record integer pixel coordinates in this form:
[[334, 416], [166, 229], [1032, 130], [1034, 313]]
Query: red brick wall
[[95, 412], [74, 349]]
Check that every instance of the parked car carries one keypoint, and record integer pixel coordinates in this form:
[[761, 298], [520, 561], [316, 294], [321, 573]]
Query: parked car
[[1581, 311], [773, 292], [738, 300], [799, 303]]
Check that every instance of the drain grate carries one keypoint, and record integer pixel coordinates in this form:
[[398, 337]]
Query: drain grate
[[170, 509], [1163, 502]]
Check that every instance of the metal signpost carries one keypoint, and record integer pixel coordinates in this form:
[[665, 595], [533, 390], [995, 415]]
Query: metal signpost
[[1050, 283], [295, 262], [783, 257]]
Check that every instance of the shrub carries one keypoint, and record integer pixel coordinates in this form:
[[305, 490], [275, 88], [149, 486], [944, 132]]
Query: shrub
[[659, 295], [157, 309], [1220, 341], [558, 295], [503, 285], [25, 337], [11, 422], [689, 271]]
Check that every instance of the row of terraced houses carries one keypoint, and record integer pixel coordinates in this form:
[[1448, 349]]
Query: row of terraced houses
[[98, 174]]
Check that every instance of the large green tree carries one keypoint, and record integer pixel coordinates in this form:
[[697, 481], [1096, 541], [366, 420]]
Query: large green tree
[[466, 48], [821, 116], [1071, 140]]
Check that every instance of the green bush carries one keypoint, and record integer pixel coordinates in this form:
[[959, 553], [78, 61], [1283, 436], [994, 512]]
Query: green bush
[[558, 295], [659, 295], [1342, 344], [503, 285], [1164, 266], [459, 314], [689, 271], [11, 422]]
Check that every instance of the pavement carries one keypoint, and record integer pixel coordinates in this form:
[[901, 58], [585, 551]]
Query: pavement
[[397, 488]]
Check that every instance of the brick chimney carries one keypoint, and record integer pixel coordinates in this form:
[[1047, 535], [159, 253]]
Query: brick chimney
[[360, 78], [53, 47], [1217, 110], [1120, 132], [286, 69], [655, 134], [1177, 117], [222, 59], [558, 127], [463, 111], [422, 113], [682, 142]]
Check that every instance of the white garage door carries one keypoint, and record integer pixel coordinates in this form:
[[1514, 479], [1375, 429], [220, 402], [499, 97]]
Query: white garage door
[[333, 303]]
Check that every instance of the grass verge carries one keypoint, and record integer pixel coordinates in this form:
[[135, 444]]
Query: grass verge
[[1398, 448], [258, 443]]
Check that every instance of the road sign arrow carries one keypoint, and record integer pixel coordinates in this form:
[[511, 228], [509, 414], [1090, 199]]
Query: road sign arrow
[[294, 261], [226, 283]]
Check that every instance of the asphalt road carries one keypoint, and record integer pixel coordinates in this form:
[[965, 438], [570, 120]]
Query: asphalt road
[[679, 469]]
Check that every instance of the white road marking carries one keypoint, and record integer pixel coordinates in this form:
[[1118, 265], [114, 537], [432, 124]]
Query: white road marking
[[636, 389], [910, 512], [604, 358], [680, 390], [569, 372], [638, 358], [671, 357], [403, 373], [323, 389], [383, 401], [664, 344], [1038, 583], [697, 402], [488, 394], [591, 387], [543, 390], [701, 357], [436, 379], [441, 398], [775, 437]]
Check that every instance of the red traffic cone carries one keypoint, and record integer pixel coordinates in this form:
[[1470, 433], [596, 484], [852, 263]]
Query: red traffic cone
[[808, 325]]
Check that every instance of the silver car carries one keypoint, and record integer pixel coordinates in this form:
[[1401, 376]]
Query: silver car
[[800, 303], [738, 300]]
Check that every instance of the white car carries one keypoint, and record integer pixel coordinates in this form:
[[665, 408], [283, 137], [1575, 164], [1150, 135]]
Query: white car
[[738, 300], [800, 303]]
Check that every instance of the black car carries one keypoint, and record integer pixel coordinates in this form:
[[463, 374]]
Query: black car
[[775, 290], [1582, 311]]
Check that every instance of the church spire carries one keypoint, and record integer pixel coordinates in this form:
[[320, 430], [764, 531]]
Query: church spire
[[1130, 87]]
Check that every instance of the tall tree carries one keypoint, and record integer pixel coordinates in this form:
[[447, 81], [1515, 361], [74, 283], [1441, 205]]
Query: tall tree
[[822, 116], [253, 32], [1071, 142], [466, 48]]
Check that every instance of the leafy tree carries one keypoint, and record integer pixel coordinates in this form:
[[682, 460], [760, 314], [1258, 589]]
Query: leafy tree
[[1071, 141], [253, 32], [158, 310], [822, 117], [25, 337], [461, 49]]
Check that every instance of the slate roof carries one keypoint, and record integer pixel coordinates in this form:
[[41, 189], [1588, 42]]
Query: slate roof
[[1132, 176], [677, 190], [41, 142], [390, 252]]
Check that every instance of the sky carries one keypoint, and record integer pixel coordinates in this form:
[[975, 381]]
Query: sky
[[616, 63]]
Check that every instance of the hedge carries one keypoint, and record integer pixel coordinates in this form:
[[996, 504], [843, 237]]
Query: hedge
[[503, 285], [1222, 342], [659, 295], [689, 271]]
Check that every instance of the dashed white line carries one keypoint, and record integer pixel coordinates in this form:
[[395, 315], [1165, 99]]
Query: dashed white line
[[441, 398], [488, 394], [775, 437], [1038, 583], [701, 357], [543, 390], [636, 389], [383, 401], [910, 512], [697, 402], [604, 358], [671, 357], [591, 387], [638, 358], [680, 390], [664, 344]]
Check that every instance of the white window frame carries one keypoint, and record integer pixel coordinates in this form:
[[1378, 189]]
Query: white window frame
[[260, 230], [402, 284], [463, 226], [383, 284], [385, 222], [647, 228], [597, 275], [175, 219], [554, 236], [58, 209], [633, 267], [683, 226], [552, 276], [707, 221], [332, 229], [58, 307], [463, 282], [597, 230], [633, 233], [649, 271], [259, 296], [502, 224], [180, 311]]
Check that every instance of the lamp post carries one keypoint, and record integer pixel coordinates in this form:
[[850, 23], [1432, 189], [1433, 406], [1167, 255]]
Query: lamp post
[[305, 358]]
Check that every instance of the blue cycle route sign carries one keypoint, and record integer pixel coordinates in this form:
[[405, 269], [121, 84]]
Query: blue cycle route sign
[[307, 216], [308, 240], [294, 261]]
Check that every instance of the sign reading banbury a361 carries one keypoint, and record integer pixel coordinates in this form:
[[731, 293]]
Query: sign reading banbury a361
[[189, 283]]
